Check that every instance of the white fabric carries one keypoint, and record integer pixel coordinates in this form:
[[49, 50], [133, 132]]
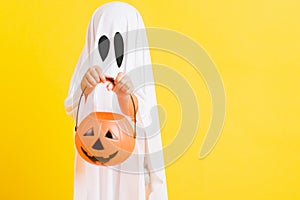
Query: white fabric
[[142, 175]]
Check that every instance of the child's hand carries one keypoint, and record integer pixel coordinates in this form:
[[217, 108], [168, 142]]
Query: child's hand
[[91, 78], [122, 85]]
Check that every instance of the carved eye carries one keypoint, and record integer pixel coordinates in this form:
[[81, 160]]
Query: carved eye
[[119, 48], [110, 135], [89, 133], [103, 47]]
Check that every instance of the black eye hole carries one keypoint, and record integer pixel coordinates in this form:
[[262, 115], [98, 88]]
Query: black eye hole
[[110, 135], [103, 47], [89, 133], [119, 48]]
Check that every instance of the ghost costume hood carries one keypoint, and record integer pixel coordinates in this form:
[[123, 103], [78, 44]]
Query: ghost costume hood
[[116, 41]]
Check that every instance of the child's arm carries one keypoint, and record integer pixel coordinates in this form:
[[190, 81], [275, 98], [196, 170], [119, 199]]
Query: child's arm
[[126, 104]]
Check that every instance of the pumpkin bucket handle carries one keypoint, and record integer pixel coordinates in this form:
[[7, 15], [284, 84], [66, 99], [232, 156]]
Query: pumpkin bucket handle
[[112, 81]]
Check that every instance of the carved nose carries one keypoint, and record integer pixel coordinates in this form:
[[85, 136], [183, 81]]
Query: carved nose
[[98, 145]]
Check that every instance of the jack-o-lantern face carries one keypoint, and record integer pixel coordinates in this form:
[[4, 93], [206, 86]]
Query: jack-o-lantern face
[[105, 139]]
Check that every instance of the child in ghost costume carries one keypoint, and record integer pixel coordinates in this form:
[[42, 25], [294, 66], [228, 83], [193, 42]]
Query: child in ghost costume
[[142, 175]]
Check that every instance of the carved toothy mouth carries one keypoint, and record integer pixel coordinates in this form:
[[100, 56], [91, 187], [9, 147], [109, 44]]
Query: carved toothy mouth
[[99, 158]]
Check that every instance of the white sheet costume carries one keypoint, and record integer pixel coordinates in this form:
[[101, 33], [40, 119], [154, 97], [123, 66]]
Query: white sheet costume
[[142, 175]]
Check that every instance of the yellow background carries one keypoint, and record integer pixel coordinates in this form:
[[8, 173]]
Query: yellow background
[[255, 45]]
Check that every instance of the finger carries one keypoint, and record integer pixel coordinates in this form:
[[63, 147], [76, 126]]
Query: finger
[[99, 71], [102, 78], [119, 77], [126, 80], [124, 88], [90, 79], [127, 83], [117, 87], [87, 84], [95, 75]]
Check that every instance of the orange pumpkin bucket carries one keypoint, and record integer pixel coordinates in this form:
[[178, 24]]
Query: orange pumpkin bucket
[[105, 138]]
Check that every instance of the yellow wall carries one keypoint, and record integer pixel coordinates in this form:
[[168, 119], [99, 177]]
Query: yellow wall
[[255, 45]]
